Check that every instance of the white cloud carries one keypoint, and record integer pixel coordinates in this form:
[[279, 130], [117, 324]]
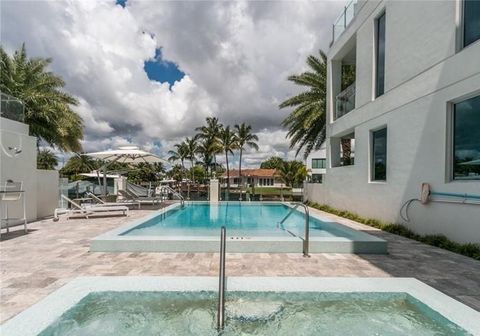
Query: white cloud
[[236, 56]]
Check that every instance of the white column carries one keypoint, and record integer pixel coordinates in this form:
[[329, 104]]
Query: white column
[[214, 191]]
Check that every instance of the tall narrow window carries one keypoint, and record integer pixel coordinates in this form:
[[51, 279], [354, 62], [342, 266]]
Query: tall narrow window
[[319, 163], [466, 140], [380, 57], [379, 150], [471, 21]]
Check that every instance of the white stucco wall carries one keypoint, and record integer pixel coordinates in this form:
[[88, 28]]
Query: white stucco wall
[[318, 154], [21, 167], [424, 73], [41, 186], [47, 192]]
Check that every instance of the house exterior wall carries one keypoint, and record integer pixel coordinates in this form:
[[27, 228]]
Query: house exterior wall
[[424, 73], [41, 186], [318, 154], [47, 192], [18, 168]]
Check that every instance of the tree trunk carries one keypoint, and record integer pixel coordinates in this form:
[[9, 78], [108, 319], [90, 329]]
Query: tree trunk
[[193, 172], [240, 177], [228, 177], [215, 164], [346, 151]]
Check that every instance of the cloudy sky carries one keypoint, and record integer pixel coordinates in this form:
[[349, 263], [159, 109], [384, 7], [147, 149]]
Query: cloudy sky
[[149, 72]]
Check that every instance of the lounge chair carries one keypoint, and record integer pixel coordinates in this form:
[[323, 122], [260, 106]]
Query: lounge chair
[[99, 201], [142, 199], [88, 210]]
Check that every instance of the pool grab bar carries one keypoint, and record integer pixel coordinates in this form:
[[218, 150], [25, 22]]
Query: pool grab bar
[[306, 240], [221, 281], [169, 189]]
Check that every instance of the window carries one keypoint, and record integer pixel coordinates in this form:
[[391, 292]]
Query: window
[[466, 139], [317, 178], [471, 21], [379, 155], [319, 163], [380, 57]]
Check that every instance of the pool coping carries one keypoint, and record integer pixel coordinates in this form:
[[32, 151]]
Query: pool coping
[[113, 241], [35, 319]]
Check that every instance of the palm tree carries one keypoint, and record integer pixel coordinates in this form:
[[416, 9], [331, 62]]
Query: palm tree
[[207, 149], [47, 106], [292, 172], [306, 124], [228, 142], [191, 147], [79, 163], [244, 138], [180, 154], [210, 134], [46, 159], [274, 162]]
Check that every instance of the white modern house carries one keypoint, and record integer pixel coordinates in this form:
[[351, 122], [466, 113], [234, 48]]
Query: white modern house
[[18, 164], [316, 164], [413, 112]]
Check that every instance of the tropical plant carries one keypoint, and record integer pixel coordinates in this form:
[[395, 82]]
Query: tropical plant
[[191, 147], [48, 109], [146, 172], [176, 173], [306, 124], [292, 173], [46, 159], [229, 142], [179, 154], [245, 137], [210, 133], [274, 162], [207, 149], [79, 163]]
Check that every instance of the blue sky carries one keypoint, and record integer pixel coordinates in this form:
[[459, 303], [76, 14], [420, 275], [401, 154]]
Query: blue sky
[[161, 70], [227, 59]]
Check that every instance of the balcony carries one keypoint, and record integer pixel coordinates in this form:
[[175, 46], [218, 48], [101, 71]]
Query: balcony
[[11, 108], [343, 20], [345, 101]]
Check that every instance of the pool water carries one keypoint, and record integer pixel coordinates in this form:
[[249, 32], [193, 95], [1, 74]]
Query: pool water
[[251, 313], [239, 219]]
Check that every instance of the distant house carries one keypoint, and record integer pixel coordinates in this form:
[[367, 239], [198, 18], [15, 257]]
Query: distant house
[[317, 165], [256, 177]]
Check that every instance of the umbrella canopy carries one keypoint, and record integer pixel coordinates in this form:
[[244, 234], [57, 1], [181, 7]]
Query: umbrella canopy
[[127, 154], [471, 163]]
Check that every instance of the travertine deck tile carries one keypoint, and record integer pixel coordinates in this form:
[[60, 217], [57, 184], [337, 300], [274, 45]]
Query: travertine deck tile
[[53, 253]]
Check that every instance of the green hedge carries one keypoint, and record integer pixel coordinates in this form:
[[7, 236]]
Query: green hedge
[[469, 250]]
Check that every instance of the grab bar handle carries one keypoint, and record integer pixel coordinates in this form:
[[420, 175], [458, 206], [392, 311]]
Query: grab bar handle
[[221, 281]]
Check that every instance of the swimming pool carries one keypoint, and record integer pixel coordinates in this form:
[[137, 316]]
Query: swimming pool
[[254, 306], [240, 219], [251, 227]]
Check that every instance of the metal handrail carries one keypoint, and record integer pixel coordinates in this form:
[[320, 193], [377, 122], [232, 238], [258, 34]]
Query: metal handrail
[[306, 240], [169, 189], [221, 281]]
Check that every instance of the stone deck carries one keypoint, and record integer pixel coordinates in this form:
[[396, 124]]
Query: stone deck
[[35, 264]]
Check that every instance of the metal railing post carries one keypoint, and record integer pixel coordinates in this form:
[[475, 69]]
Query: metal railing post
[[221, 281], [306, 240]]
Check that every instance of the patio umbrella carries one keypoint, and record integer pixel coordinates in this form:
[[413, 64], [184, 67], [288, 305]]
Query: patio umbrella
[[126, 154], [472, 163]]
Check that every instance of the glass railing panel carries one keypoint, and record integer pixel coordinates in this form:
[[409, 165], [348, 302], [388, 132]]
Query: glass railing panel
[[345, 101]]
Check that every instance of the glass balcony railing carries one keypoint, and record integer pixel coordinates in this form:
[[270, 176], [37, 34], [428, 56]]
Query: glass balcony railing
[[345, 101], [11, 108], [343, 20]]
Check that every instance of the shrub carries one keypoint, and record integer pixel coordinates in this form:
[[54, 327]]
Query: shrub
[[470, 250]]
